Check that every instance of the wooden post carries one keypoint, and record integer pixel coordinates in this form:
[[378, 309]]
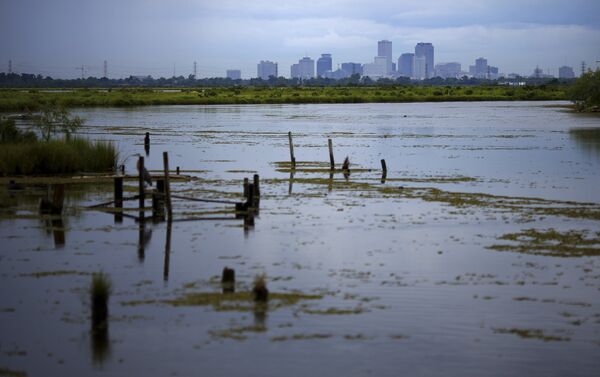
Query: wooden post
[[147, 139], [246, 188], [167, 252], [58, 198], [167, 185], [292, 158], [383, 166], [142, 193], [118, 185], [158, 201], [250, 200], [331, 160], [256, 186], [178, 170]]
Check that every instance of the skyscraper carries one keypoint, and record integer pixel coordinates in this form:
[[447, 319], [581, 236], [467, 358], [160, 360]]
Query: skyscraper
[[234, 74], [425, 50], [324, 64], [566, 72], [406, 64], [265, 69], [420, 68], [447, 70], [384, 48], [306, 68], [352, 68]]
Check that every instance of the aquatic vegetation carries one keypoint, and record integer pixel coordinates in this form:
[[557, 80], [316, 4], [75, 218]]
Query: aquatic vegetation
[[100, 291], [531, 334], [54, 273], [259, 289], [572, 243], [235, 301], [58, 157]]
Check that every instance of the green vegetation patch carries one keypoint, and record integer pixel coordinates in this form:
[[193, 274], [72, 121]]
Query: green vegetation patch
[[572, 243], [44, 274], [284, 338], [12, 373], [238, 301], [531, 334]]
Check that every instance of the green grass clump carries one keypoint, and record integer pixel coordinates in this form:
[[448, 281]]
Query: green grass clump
[[62, 156], [101, 287]]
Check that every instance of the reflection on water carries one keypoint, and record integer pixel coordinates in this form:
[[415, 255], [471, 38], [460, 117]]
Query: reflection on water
[[588, 139], [458, 263]]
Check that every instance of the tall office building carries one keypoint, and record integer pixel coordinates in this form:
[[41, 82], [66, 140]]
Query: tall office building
[[425, 50], [420, 68], [234, 74], [295, 71], [406, 63], [377, 69], [566, 72], [265, 69], [384, 48], [447, 70], [352, 68], [324, 64], [306, 68]]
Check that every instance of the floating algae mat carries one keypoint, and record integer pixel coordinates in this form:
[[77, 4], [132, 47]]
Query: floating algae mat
[[475, 253]]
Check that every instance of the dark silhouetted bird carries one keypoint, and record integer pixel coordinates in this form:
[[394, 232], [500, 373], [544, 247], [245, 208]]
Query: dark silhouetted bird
[[145, 174]]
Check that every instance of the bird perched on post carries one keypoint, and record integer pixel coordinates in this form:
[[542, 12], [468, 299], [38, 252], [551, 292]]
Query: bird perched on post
[[143, 172]]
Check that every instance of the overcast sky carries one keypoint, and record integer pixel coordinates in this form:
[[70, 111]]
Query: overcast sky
[[141, 37]]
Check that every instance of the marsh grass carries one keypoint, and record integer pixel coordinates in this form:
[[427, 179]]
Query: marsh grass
[[100, 291], [62, 156]]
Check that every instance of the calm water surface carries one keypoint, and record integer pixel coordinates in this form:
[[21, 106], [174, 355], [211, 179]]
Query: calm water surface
[[412, 271]]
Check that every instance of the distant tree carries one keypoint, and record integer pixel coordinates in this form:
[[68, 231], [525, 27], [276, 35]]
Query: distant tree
[[53, 119], [585, 93], [9, 133]]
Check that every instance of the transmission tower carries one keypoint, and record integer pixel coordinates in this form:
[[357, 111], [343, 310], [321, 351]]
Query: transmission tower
[[82, 69], [105, 69], [9, 67], [195, 69], [582, 68]]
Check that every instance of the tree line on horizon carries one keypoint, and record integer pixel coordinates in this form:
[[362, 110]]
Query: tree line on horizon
[[27, 80]]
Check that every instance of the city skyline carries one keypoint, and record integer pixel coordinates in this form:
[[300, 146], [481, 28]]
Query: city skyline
[[160, 38]]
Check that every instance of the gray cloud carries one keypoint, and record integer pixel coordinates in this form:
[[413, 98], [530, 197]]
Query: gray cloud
[[149, 37]]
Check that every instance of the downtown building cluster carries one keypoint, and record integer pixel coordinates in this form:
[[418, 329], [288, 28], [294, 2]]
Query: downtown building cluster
[[417, 65]]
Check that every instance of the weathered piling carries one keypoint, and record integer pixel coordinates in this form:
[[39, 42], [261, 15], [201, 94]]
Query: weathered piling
[[158, 201], [118, 188], [383, 166], [292, 158], [178, 170], [58, 198], [167, 251], [383, 171], [147, 139], [256, 186], [251, 201], [228, 280], [141, 188], [331, 160], [246, 188], [167, 185]]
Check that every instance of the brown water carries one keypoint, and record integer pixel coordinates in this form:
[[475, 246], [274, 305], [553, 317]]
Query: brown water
[[413, 274]]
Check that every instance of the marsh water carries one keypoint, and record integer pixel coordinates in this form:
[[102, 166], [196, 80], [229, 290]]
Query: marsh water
[[478, 254]]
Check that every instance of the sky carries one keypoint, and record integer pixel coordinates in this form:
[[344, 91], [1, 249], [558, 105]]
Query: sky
[[160, 37]]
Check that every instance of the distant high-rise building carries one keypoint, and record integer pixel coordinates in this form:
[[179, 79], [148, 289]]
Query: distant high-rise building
[[384, 48], [420, 68], [295, 71], [377, 69], [406, 63], [352, 68], [566, 72], [234, 74], [425, 50], [306, 68], [265, 69], [324, 64], [447, 70]]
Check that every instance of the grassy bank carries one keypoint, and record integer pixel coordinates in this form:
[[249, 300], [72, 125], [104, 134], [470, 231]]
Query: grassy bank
[[23, 100], [57, 157]]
